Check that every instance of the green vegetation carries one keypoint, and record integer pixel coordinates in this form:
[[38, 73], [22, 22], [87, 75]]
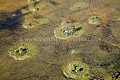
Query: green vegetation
[[22, 51], [33, 1], [76, 70], [67, 30], [78, 5], [95, 20], [31, 24]]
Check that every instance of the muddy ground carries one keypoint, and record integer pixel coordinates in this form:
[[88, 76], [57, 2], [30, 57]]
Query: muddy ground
[[99, 47]]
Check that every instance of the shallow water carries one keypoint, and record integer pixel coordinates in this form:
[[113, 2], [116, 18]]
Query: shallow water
[[98, 47]]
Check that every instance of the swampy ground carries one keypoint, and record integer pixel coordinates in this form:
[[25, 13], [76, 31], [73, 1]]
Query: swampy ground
[[98, 47]]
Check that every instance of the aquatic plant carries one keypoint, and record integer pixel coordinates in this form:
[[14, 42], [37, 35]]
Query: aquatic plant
[[22, 51], [95, 20], [76, 70]]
